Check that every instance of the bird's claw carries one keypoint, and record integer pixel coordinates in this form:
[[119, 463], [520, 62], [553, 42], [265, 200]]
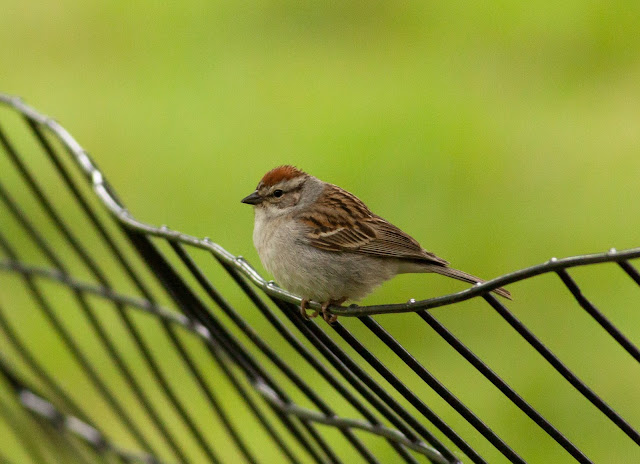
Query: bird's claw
[[303, 311], [329, 318], [326, 315]]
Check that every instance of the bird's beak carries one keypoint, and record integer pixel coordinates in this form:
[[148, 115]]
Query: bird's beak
[[252, 199]]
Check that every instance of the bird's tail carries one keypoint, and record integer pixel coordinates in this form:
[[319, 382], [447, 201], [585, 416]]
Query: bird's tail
[[463, 276]]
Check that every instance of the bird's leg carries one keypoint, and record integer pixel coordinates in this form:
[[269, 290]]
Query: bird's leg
[[331, 318], [303, 310]]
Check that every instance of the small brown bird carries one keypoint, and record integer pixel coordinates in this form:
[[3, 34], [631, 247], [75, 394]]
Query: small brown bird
[[323, 244]]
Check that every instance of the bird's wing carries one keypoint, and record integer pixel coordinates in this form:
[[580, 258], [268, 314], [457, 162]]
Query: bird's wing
[[341, 222]]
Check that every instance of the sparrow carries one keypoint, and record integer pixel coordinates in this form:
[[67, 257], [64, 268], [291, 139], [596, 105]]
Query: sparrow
[[324, 244]]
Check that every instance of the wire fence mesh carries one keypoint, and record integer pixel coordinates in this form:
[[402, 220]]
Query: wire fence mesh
[[124, 342]]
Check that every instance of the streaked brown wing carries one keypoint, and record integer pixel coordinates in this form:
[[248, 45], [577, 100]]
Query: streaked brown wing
[[344, 223]]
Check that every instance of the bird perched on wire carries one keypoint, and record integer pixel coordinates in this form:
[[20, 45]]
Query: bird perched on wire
[[323, 243]]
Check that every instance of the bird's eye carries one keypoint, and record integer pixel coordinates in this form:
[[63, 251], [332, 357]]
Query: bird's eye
[[278, 193]]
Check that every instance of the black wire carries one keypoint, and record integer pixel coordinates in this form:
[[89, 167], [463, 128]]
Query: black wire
[[413, 399], [84, 255], [23, 433], [96, 325], [435, 384], [562, 369], [605, 323], [229, 356], [503, 386], [631, 271], [73, 347]]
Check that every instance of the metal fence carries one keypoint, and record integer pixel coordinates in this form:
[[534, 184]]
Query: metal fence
[[155, 363]]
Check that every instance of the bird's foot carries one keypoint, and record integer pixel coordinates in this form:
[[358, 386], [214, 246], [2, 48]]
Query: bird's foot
[[331, 318], [303, 310]]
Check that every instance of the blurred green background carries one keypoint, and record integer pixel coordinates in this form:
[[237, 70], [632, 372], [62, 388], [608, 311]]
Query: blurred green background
[[497, 134]]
